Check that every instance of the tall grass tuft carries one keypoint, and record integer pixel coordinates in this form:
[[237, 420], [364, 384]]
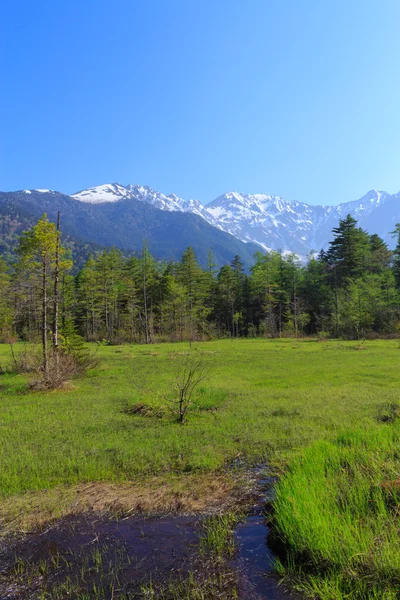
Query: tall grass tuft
[[337, 514]]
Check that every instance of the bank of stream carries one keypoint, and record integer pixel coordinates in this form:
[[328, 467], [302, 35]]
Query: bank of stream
[[90, 556]]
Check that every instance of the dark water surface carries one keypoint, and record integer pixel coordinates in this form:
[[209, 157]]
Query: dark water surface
[[132, 550], [255, 561]]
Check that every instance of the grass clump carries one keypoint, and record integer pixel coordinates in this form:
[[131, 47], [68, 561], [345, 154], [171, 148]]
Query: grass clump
[[337, 514], [217, 536]]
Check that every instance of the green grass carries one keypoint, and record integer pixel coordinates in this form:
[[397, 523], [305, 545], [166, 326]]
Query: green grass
[[264, 400], [326, 409], [217, 536], [338, 514]]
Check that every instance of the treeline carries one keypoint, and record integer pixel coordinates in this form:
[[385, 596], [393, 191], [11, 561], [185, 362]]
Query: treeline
[[350, 290]]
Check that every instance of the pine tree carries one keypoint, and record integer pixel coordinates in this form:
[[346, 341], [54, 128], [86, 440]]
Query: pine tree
[[90, 298], [317, 295], [396, 255], [349, 251], [196, 284], [263, 292]]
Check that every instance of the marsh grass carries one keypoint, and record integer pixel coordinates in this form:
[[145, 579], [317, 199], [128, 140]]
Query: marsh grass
[[216, 539], [265, 401], [337, 512], [328, 411], [107, 566]]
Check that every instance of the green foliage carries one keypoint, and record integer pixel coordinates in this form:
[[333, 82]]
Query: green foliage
[[6, 313], [336, 511], [352, 291]]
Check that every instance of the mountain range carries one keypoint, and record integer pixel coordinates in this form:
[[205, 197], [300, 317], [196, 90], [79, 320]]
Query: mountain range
[[234, 223], [125, 224], [269, 221]]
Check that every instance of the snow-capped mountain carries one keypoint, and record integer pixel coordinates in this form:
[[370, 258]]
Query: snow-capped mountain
[[114, 192], [270, 221], [292, 226], [124, 220]]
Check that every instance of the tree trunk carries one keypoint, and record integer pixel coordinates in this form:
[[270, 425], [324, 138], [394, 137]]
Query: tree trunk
[[56, 298], [44, 318], [146, 316], [182, 408]]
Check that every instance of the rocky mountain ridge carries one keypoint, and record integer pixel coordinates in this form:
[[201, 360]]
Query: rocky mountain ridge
[[269, 221]]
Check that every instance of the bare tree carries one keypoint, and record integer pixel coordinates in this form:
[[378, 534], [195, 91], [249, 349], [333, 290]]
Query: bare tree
[[192, 371], [56, 296]]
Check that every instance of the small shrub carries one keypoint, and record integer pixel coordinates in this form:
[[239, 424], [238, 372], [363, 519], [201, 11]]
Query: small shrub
[[191, 371], [59, 369], [322, 336], [73, 345]]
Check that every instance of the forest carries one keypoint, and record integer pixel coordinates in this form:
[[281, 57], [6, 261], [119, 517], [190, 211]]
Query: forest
[[350, 290]]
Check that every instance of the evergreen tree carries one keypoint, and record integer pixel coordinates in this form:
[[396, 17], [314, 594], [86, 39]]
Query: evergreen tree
[[90, 299], [396, 255], [349, 251], [352, 288]]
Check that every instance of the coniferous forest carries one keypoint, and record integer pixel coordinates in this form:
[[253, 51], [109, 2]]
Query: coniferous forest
[[351, 290]]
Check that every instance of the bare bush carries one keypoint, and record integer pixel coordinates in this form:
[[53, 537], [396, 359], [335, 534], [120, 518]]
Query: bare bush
[[60, 368], [192, 370]]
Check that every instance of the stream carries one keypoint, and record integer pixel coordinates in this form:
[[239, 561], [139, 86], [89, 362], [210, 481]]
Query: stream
[[255, 561]]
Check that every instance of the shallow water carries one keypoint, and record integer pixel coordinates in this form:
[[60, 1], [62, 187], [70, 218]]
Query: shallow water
[[255, 561], [138, 548]]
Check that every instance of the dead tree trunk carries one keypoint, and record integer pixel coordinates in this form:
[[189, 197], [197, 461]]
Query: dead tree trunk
[[56, 297], [44, 318]]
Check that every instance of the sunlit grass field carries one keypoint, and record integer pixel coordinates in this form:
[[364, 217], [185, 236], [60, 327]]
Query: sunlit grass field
[[337, 512], [263, 400], [323, 414]]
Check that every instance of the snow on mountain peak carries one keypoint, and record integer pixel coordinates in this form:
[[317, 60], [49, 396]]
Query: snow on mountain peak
[[271, 221], [109, 192], [114, 192]]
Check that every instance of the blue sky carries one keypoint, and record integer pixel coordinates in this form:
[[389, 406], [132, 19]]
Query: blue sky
[[296, 98]]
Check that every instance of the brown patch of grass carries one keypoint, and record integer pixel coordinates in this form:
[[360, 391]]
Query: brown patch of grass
[[144, 409], [185, 495], [393, 485]]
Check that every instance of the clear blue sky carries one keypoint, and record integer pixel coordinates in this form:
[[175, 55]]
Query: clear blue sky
[[298, 98]]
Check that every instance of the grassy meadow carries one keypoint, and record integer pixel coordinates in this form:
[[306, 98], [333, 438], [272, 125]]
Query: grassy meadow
[[322, 414]]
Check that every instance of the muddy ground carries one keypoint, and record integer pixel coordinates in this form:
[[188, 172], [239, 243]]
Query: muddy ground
[[98, 555]]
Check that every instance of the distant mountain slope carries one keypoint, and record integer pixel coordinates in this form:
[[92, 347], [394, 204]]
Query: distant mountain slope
[[15, 218], [270, 221], [113, 214], [126, 223]]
